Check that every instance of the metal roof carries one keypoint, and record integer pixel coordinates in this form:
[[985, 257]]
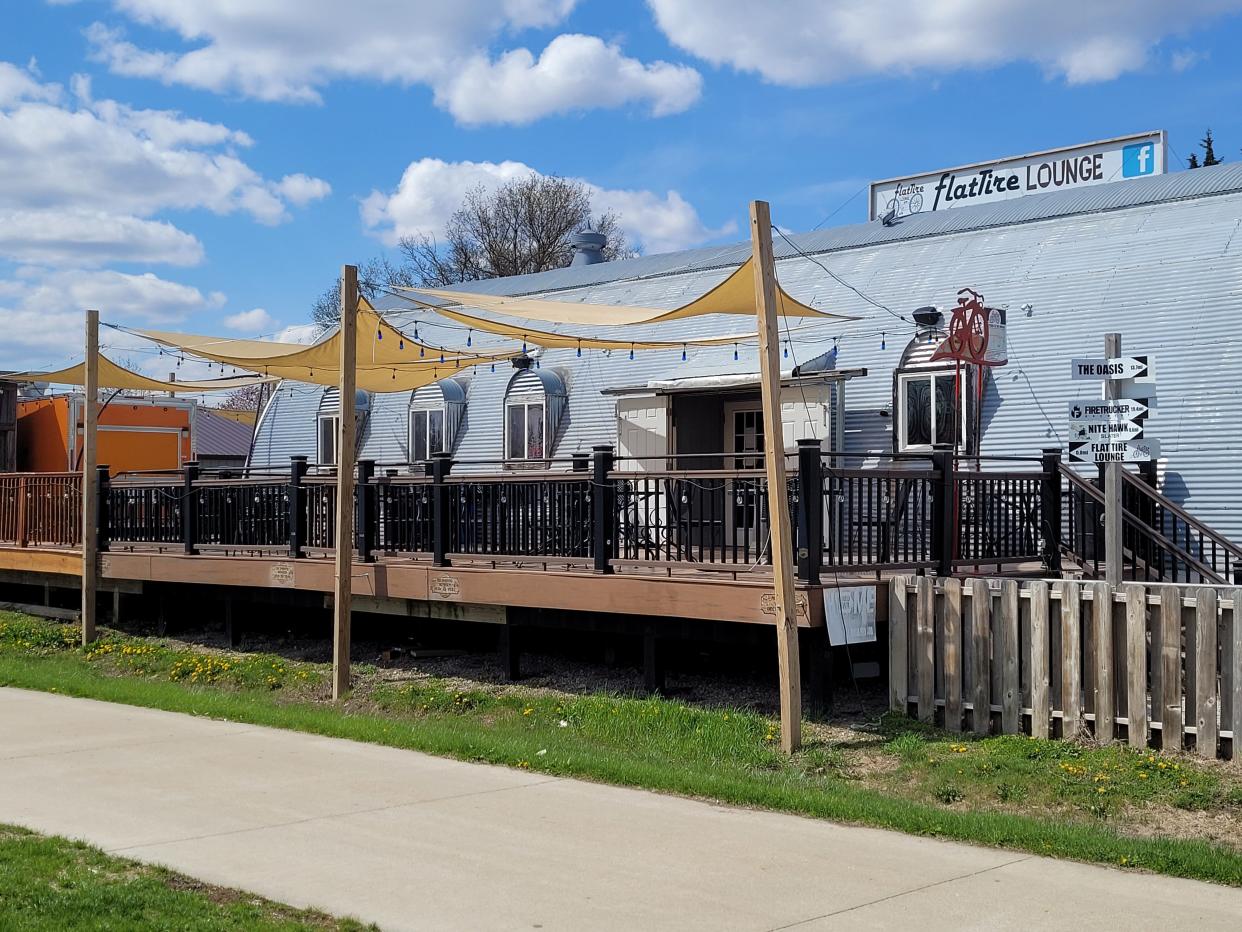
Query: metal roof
[[1135, 192], [217, 435]]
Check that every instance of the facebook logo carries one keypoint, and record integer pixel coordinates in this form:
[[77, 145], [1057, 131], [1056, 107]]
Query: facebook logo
[[1138, 159]]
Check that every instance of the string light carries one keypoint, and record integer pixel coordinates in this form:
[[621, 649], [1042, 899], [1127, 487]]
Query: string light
[[394, 375], [401, 344], [683, 352], [523, 343], [441, 355], [735, 352], [631, 351], [470, 338], [493, 367], [883, 341], [379, 334], [786, 349], [579, 348], [422, 351]]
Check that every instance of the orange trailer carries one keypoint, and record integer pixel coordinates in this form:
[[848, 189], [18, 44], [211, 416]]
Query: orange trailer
[[135, 434]]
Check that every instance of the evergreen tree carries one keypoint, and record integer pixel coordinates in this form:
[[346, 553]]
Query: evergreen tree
[[1209, 153], [1193, 161]]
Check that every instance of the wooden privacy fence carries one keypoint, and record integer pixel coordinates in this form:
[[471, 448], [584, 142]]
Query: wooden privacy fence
[[1150, 664]]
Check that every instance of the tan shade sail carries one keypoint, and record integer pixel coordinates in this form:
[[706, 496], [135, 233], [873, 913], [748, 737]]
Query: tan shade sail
[[387, 359], [550, 340], [734, 295], [113, 376]]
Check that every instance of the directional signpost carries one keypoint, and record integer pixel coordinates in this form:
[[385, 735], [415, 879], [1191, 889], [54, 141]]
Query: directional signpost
[[1112, 431], [1111, 369]]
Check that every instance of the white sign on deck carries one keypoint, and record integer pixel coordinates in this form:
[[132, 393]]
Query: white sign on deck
[[1107, 412], [1122, 451], [1122, 367], [850, 614]]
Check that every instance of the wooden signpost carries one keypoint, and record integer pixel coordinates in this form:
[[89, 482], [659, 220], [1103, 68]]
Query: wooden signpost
[[90, 490], [345, 441], [781, 540]]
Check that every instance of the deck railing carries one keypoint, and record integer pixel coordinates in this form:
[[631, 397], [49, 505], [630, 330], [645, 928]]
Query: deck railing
[[930, 512]]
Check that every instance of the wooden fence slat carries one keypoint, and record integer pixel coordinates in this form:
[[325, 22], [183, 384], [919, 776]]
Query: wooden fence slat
[[1007, 659], [1207, 725], [981, 634], [1136, 665], [1071, 660], [952, 654], [1231, 674], [1040, 711], [1171, 669], [925, 645], [898, 659], [1102, 639]]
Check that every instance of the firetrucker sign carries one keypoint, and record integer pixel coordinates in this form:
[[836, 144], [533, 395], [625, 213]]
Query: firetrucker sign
[[1035, 173]]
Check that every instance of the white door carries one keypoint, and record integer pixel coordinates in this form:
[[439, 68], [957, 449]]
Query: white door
[[642, 432]]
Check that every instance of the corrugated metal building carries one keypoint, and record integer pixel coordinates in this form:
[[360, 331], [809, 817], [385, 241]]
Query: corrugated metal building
[[1158, 259]]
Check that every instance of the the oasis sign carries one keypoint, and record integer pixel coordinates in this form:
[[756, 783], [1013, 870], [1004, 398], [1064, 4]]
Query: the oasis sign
[[1054, 170]]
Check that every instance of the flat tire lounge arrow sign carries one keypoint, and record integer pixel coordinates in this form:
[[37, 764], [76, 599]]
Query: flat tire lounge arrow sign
[[1120, 367], [1132, 451]]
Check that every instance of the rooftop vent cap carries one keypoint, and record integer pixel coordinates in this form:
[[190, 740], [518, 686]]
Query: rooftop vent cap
[[588, 247]]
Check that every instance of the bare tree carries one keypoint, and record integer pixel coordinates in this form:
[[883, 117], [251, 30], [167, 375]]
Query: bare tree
[[523, 226], [374, 276], [246, 398]]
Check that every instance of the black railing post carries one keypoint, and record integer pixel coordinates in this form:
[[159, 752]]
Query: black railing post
[[810, 511], [603, 507], [297, 507], [440, 465], [1050, 489], [189, 507], [944, 487], [364, 512], [103, 508]]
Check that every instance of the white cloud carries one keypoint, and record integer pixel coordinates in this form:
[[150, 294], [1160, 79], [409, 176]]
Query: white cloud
[[83, 178], [41, 311], [574, 72], [288, 50], [90, 238], [431, 189], [299, 190], [256, 320], [807, 42]]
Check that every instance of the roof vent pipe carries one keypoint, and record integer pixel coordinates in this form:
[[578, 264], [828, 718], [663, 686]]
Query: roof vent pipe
[[588, 247]]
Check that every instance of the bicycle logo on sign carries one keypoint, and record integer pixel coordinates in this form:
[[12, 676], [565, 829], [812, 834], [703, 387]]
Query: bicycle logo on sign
[[906, 200]]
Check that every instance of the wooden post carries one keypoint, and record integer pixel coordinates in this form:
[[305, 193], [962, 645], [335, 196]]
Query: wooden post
[[898, 640], [1113, 520], [1041, 708], [1136, 666], [90, 505], [778, 491], [952, 654], [342, 602]]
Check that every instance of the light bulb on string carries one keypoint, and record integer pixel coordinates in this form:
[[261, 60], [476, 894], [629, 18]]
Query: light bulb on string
[[470, 338], [579, 348], [735, 352], [523, 343], [786, 349], [883, 341], [493, 367], [422, 351], [683, 352], [379, 334], [631, 351], [401, 343]]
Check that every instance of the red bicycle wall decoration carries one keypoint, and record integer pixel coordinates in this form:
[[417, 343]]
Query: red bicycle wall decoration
[[976, 333]]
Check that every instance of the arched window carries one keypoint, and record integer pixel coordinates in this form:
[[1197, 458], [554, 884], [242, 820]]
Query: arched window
[[435, 413], [933, 402], [534, 403]]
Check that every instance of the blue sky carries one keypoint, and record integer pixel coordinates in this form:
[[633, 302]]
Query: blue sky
[[178, 166]]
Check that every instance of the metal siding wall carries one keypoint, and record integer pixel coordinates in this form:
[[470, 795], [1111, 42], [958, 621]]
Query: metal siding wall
[[1166, 275]]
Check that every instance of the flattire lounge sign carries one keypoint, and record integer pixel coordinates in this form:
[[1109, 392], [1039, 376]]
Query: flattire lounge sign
[[1001, 179]]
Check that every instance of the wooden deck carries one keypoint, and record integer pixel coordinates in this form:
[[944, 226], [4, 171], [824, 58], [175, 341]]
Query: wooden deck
[[415, 587]]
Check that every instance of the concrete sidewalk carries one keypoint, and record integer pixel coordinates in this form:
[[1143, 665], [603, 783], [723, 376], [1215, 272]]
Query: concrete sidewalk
[[416, 842]]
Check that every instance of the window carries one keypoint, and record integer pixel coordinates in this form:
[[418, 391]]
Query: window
[[426, 434], [928, 412], [524, 435], [329, 429]]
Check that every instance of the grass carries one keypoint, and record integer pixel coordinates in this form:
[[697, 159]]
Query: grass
[[49, 883], [1045, 797]]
